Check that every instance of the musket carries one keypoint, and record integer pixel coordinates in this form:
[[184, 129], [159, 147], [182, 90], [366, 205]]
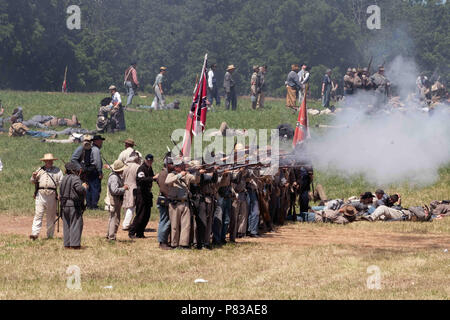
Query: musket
[[181, 153], [110, 167], [370, 65]]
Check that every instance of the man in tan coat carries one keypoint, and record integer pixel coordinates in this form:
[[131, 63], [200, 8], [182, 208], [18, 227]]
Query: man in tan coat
[[47, 180], [178, 183], [129, 177], [116, 188]]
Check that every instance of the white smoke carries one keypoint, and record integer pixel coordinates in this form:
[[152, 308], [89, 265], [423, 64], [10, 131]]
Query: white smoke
[[390, 146], [403, 74]]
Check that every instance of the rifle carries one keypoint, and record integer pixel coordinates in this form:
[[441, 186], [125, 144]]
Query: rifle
[[109, 166], [370, 65], [36, 185], [181, 153]]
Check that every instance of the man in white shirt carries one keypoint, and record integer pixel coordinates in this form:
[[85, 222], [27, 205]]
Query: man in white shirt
[[303, 76], [213, 92], [117, 114]]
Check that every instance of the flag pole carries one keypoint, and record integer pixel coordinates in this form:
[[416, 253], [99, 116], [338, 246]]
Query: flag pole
[[64, 88]]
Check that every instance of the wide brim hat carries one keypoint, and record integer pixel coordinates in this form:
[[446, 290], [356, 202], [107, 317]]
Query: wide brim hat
[[130, 142], [349, 211], [98, 137], [118, 166], [367, 195], [48, 157], [112, 87], [194, 163], [231, 67], [87, 137], [162, 69]]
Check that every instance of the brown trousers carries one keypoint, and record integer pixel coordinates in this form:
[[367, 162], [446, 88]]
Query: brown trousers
[[291, 97], [180, 223], [260, 100], [207, 208], [319, 194], [239, 218], [114, 220]]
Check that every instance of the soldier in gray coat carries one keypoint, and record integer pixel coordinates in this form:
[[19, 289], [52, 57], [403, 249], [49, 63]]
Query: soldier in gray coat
[[230, 90], [116, 190], [72, 196]]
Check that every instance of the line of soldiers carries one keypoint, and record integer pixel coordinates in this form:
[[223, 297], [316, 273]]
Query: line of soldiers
[[203, 206], [361, 79], [200, 206]]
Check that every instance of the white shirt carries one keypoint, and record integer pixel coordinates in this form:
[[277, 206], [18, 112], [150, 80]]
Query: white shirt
[[210, 79], [1, 165], [303, 76], [116, 98], [125, 154]]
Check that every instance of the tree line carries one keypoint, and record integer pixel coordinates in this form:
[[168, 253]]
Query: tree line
[[36, 44]]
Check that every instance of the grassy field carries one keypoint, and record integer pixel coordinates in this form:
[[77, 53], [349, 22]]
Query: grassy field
[[297, 262]]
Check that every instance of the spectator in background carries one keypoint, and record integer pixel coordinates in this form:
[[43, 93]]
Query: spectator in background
[[326, 89], [230, 90], [213, 91], [303, 77], [159, 101], [131, 82]]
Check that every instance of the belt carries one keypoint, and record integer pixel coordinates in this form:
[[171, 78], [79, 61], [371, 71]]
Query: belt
[[177, 201], [53, 189]]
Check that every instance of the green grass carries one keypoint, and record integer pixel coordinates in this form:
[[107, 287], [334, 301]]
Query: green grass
[[312, 261], [151, 131]]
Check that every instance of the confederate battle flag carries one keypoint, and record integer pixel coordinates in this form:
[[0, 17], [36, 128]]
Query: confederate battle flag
[[196, 120], [301, 129], [64, 85]]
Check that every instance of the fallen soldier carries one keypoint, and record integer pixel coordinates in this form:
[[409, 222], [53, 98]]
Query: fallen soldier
[[438, 209], [73, 138], [171, 106], [19, 130]]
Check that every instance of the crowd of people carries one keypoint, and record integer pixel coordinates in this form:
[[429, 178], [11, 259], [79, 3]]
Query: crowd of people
[[200, 206]]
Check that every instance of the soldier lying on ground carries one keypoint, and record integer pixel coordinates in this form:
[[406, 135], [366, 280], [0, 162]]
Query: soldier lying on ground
[[19, 129], [174, 105], [73, 138]]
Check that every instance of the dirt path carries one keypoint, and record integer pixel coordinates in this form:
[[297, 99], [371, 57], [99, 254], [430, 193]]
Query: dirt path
[[295, 235]]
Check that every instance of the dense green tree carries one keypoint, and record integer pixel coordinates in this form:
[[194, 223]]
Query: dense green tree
[[36, 45]]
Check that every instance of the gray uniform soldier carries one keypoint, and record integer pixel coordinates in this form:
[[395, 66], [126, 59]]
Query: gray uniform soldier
[[116, 190], [344, 215], [230, 90], [47, 180], [348, 82], [159, 101], [380, 82], [72, 195], [178, 183]]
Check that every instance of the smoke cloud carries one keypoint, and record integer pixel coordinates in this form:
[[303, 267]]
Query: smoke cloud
[[393, 145]]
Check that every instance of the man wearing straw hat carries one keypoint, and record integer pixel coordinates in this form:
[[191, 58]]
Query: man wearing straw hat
[[47, 180], [230, 90], [116, 190], [129, 149]]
